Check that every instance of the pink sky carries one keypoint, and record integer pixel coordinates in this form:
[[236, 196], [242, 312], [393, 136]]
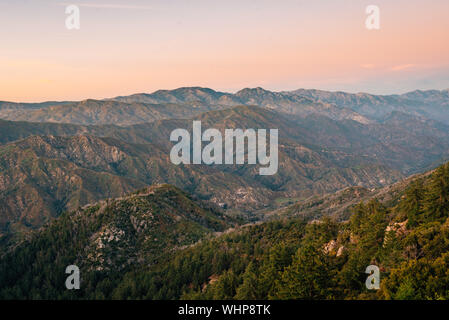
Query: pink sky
[[125, 47]]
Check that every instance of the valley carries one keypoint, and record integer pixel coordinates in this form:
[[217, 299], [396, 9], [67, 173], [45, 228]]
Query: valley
[[91, 183]]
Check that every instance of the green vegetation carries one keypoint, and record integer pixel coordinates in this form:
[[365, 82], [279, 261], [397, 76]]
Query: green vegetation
[[286, 259], [58, 167], [105, 240]]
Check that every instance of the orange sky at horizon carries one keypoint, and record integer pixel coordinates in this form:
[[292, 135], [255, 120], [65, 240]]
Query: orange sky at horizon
[[121, 51]]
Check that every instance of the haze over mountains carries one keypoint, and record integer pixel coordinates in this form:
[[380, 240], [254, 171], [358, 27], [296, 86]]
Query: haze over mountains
[[91, 183], [103, 112], [182, 102], [57, 156]]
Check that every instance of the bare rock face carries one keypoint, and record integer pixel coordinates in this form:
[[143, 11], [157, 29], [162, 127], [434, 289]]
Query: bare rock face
[[330, 247], [398, 229], [341, 251], [334, 248], [353, 239]]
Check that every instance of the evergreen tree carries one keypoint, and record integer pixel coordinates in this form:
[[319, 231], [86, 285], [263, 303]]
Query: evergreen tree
[[308, 277], [250, 288], [436, 203]]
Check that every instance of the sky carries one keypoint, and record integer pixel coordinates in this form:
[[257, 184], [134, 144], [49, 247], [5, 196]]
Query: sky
[[132, 46]]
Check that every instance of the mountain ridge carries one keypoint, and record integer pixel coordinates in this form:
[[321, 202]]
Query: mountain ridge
[[145, 107]]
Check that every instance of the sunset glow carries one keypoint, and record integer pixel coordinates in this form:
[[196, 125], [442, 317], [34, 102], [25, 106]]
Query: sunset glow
[[125, 47]]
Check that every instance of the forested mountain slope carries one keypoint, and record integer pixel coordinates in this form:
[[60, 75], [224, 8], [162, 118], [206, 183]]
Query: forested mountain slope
[[408, 239]]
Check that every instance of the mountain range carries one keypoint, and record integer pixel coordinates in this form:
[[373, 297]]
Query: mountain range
[[184, 102], [58, 156], [91, 182], [44, 175], [76, 153]]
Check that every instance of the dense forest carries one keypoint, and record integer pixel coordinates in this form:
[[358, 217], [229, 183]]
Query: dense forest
[[408, 239]]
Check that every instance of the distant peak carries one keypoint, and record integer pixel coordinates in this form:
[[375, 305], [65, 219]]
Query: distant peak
[[257, 90], [89, 101], [186, 89]]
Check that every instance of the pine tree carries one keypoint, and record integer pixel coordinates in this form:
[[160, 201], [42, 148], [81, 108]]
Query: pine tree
[[250, 289], [436, 202], [411, 206], [308, 277]]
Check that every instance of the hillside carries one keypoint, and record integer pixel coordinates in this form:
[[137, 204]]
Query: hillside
[[403, 142], [70, 165], [334, 149], [38, 181], [98, 112], [110, 236], [291, 259], [361, 107], [291, 104], [340, 205], [52, 174], [431, 104], [406, 238], [288, 259]]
